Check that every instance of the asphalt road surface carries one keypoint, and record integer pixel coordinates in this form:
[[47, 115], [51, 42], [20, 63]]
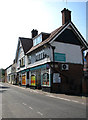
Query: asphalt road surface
[[20, 103]]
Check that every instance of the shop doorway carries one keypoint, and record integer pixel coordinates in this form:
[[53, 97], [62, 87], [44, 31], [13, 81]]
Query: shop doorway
[[38, 79], [27, 79]]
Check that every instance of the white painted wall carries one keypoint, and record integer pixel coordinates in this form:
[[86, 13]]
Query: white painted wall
[[8, 75], [73, 52], [20, 55], [9, 71], [73, 55], [40, 62], [86, 52]]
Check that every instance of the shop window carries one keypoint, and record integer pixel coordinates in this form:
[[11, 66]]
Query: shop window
[[45, 79], [33, 80], [23, 79]]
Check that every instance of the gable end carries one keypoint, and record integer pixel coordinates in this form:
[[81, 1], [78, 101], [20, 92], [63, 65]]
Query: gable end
[[68, 36]]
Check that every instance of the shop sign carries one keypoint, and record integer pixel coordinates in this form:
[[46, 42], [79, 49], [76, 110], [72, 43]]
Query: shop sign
[[25, 71], [56, 78], [39, 67], [60, 57]]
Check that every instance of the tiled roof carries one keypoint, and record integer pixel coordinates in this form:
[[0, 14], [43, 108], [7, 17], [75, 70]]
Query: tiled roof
[[52, 35], [26, 43], [55, 33]]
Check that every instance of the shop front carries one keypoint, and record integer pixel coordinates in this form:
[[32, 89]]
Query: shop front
[[23, 82], [13, 78], [32, 78], [46, 80], [40, 77], [23, 77]]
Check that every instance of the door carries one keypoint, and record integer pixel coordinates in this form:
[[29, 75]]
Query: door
[[38, 77]]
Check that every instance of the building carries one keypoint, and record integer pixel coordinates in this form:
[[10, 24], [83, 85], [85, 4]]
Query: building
[[86, 61], [24, 44], [8, 73], [85, 80], [57, 58], [52, 61], [86, 57], [13, 73], [2, 75]]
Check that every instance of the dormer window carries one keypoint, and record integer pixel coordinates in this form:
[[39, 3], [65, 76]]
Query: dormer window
[[37, 40]]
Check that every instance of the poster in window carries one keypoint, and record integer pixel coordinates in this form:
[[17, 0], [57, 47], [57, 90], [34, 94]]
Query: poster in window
[[56, 78], [24, 80], [45, 79], [33, 80]]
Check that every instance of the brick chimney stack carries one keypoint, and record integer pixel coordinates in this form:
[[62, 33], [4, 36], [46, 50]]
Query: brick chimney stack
[[66, 16], [34, 33]]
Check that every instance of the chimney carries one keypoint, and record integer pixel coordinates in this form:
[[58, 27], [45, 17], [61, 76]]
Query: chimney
[[66, 16], [34, 33]]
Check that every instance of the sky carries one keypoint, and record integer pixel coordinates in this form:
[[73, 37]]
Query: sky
[[19, 17]]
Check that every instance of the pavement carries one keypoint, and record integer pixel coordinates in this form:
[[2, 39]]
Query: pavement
[[72, 98]]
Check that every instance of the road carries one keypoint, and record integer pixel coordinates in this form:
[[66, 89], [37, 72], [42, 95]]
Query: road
[[20, 103]]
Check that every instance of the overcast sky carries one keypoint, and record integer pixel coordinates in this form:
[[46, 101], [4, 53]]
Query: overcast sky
[[19, 17]]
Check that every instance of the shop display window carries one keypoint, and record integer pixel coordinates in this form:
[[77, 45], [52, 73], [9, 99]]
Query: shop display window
[[33, 80], [24, 79], [45, 77]]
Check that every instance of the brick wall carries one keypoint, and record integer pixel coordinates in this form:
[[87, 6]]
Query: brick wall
[[71, 79]]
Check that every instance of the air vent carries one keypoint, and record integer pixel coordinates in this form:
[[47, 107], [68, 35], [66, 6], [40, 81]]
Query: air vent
[[65, 67]]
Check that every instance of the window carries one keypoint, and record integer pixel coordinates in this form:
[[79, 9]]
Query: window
[[45, 77], [33, 80], [40, 55], [37, 40], [29, 59], [22, 62], [23, 79], [34, 42], [19, 64]]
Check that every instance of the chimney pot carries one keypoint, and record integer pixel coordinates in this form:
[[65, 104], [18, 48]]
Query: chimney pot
[[34, 33]]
